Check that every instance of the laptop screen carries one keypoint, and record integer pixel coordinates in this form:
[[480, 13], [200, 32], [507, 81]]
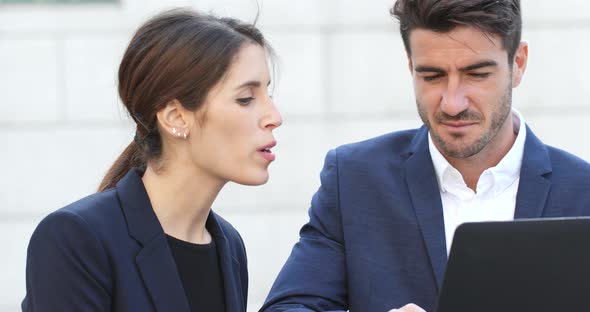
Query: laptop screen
[[525, 265]]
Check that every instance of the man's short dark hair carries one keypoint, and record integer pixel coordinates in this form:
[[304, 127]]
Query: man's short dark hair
[[498, 17]]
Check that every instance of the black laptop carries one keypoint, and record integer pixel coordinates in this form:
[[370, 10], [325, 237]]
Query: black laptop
[[538, 265]]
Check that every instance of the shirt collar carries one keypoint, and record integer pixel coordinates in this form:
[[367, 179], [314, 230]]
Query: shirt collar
[[503, 174]]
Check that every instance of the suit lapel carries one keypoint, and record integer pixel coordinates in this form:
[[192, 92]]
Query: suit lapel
[[160, 275], [155, 262], [533, 187], [230, 268], [424, 193], [425, 196]]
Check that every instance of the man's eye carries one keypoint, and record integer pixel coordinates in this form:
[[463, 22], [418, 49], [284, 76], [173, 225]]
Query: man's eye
[[245, 101], [432, 78], [479, 75]]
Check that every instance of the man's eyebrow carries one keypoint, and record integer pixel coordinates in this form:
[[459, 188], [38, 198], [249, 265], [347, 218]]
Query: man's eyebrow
[[479, 65], [251, 84], [428, 69], [431, 69]]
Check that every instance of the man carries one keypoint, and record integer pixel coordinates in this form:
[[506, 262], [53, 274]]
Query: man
[[382, 222]]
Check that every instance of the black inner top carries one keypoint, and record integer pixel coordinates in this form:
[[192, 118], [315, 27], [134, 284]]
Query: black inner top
[[200, 272]]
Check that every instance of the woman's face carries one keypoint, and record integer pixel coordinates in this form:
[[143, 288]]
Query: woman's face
[[233, 139]]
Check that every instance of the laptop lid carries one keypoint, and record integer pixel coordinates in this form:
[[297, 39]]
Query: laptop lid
[[526, 265]]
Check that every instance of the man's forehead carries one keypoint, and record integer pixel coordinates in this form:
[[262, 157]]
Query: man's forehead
[[459, 38]]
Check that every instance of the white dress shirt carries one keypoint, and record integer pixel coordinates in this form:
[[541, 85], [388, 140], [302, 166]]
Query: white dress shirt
[[497, 186]]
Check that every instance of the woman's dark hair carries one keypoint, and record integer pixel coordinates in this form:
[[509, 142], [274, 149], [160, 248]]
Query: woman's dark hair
[[499, 17], [178, 54]]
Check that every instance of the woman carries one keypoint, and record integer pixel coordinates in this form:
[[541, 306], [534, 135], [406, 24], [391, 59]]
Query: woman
[[196, 86]]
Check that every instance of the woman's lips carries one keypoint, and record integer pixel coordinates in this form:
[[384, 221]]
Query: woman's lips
[[266, 153]]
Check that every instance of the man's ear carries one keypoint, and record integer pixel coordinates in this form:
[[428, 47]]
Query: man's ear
[[520, 62], [174, 120]]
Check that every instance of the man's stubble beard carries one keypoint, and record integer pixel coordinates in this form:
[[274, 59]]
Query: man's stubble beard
[[498, 118]]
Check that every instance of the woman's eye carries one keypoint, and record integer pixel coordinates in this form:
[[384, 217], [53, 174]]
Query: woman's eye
[[245, 101]]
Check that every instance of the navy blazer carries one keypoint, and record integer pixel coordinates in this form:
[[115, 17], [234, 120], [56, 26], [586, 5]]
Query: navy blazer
[[375, 239], [108, 252]]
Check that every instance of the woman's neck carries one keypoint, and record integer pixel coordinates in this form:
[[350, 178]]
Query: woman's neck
[[181, 197]]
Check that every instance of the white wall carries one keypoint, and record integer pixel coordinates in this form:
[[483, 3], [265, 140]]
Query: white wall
[[343, 78]]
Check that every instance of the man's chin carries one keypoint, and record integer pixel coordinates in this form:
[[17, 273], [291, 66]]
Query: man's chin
[[457, 147], [462, 151]]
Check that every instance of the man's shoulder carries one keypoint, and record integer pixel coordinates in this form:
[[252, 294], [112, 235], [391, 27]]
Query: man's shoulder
[[391, 145], [570, 184], [567, 164]]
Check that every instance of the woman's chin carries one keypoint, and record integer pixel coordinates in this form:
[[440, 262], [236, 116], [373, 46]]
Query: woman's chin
[[253, 180]]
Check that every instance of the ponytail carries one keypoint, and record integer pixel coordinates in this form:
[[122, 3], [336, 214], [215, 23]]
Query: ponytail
[[131, 157]]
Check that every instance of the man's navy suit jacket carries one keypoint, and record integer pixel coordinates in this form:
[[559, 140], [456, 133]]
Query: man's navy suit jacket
[[375, 239], [108, 252]]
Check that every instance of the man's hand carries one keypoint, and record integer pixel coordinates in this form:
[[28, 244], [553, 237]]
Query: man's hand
[[408, 308]]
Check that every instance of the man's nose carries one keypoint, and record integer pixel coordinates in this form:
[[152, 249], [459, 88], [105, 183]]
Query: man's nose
[[454, 100]]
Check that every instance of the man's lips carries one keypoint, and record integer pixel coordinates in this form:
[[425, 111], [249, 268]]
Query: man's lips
[[458, 124]]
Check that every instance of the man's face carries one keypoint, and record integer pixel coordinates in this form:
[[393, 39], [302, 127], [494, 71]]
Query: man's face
[[463, 85]]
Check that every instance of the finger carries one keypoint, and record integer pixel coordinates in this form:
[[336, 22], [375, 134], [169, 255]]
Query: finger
[[411, 308]]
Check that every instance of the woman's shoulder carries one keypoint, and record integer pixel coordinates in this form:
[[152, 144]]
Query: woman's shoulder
[[67, 247], [231, 234], [92, 208], [228, 229], [82, 217]]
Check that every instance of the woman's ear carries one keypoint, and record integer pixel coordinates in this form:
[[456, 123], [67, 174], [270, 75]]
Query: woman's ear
[[174, 120]]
